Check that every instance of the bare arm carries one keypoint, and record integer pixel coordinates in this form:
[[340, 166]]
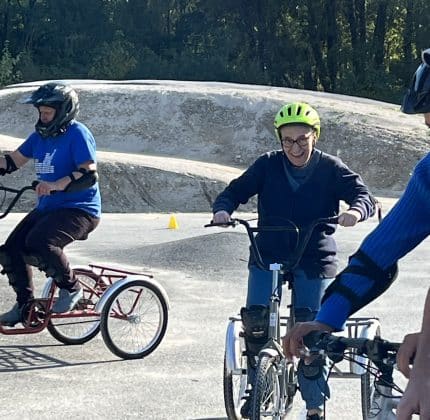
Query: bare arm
[[19, 159], [45, 188], [62, 183]]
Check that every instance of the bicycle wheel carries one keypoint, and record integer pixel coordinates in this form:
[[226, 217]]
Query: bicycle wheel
[[235, 384], [367, 383], [367, 394], [80, 329], [134, 319], [266, 394], [291, 385]]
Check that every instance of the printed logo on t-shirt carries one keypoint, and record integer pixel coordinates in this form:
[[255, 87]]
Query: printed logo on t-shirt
[[45, 167]]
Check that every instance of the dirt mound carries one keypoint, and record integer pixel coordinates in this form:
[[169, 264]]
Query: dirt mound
[[227, 249], [172, 146]]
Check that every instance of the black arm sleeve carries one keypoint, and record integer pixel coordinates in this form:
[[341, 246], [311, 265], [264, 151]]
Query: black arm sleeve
[[10, 166], [87, 180]]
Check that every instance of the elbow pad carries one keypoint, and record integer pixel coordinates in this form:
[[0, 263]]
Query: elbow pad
[[10, 166], [382, 280], [87, 180]]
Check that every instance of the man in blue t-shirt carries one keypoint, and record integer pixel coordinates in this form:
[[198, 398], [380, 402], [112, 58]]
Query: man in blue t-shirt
[[68, 206], [372, 269]]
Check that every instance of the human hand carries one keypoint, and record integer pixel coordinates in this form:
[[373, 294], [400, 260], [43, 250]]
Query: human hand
[[407, 352], [415, 399], [221, 216], [45, 188], [293, 340], [349, 218]]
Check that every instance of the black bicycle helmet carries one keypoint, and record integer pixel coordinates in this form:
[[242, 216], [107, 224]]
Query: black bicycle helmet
[[417, 98], [56, 95]]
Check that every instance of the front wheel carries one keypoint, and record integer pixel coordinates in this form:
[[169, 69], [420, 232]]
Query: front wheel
[[367, 395], [134, 319], [266, 394], [367, 382]]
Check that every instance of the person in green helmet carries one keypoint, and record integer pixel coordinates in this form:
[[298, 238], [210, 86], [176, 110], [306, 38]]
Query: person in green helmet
[[300, 183]]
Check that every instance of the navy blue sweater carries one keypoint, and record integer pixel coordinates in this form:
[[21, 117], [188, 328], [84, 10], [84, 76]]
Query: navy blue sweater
[[319, 196]]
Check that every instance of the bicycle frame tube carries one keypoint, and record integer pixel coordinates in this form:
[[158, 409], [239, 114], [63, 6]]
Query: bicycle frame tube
[[384, 403], [274, 327]]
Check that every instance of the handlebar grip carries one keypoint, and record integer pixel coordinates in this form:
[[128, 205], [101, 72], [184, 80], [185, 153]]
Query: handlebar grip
[[212, 224], [35, 183], [313, 337], [332, 220]]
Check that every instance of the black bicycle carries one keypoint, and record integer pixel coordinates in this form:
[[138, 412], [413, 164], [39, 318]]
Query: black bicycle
[[275, 383], [376, 356]]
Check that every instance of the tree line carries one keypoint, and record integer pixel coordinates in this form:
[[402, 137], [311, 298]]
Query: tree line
[[366, 48]]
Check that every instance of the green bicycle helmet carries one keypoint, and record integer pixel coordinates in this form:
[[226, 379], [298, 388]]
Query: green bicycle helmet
[[297, 113]]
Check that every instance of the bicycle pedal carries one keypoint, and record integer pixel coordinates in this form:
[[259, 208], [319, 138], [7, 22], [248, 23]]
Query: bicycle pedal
[[33, 313]]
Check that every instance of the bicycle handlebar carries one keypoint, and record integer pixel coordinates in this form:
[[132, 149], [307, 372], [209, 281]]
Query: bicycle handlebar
[[377, 349], [18, 193], [301, 242]]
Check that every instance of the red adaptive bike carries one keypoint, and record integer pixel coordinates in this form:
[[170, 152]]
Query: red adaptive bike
[[130, 308]]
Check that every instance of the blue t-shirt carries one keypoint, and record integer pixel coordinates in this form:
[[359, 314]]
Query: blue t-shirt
[[57, 157]]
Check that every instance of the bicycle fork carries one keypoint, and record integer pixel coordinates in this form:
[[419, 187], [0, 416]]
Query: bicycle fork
[[273, 347]]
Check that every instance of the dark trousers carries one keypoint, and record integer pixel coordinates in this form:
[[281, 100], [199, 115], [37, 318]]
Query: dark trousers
[[45, 234]]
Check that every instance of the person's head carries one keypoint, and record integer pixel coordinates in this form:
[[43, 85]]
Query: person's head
[[417, 98], [58, 105], [297, 126]]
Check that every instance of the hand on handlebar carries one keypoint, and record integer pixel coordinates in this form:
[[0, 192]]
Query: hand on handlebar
[[407, 352], [293, 341], [45, 188], [349, 218], [221, 216]]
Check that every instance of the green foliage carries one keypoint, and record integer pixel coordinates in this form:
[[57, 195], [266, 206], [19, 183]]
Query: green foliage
[[8, 72], [113, 60], [358, 47]]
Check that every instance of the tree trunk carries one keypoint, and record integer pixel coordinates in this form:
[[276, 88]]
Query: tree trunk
[[408, 34], [379, 34], [315, 42], [332, 42]]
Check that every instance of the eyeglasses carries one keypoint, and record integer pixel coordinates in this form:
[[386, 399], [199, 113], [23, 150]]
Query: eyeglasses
[[302, 141]]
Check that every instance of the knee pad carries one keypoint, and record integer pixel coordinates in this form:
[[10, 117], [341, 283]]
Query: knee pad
[[382, 280], [312, 370], [255, 321]]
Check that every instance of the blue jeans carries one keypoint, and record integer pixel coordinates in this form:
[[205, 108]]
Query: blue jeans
[[307, 295]]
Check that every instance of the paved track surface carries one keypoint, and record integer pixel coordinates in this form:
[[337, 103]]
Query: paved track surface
[[204, 274]]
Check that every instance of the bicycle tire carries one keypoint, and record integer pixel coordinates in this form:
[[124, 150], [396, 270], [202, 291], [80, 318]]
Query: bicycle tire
[[234, 387], [266, 390], [367, 385], [76, 330], [367, 392], [291, 385], [126, 319]]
